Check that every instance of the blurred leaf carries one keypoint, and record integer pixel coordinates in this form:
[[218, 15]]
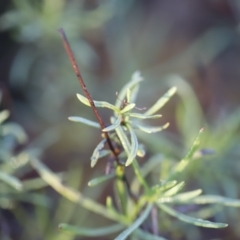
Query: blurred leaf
[[141, 150], [164, 186], [174, 190], [151, 129], [11, 180], [195, 145], [92, 232], [85, 121], [182, 197], [4, 115], [94, 182], [135, 224], [134, 147], [129, 107], [180, 167], [191, 220], [128, 95], [96, 153], [101, 104], [214, 199], [162, 101], [74, 196], [114, 125], [15, 130], [142, 116], [124, 140]]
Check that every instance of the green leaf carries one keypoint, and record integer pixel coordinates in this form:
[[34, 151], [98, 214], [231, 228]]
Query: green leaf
[[129, 107], [174, 190], [185, 161], [136, 79], [134, 146], [127, 147], [135, 224], [195, 145], [85, 121], [114, 125], [191, 220], [151, 129], [142, 116], [101, 179], [101, 104], [4, 115], [53, 180], [164, 186], [182, 197], [104, 153], [128, 95], [123, 139], [96, 153], [11, 180], [90, 232], [162, 101], [206, 199]]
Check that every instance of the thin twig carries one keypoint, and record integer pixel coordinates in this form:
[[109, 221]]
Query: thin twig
[[84, 88], [88, 96]]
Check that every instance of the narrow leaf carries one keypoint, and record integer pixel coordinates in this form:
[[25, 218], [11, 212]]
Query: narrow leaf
[[185, 161], [11, 180], [136, 79], [96, 153], [151, 129], [90, 232], [104, 153], [123, 139], [85, 121], [129, 107], [101, 104], [161, 102], [182, 197], [135, 224], [134, 146], [206, 199], [191, 220], [195, 145], [96, 181], [142, 116], [164, 186], [114, 125], [174, 190]]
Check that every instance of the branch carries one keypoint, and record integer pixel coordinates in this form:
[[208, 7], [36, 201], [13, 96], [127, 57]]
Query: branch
[[84, 88]]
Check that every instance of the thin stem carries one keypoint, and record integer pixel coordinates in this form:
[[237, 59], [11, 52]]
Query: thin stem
[[88, 96], [84, 88]]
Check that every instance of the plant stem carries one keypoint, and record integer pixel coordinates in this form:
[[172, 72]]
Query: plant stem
[[88, 96], [85, 90]]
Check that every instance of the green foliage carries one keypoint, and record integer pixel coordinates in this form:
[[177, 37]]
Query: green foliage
[[137, 199], [13, 166]]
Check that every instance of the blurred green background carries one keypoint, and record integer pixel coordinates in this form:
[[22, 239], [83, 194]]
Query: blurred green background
[[194, 45]]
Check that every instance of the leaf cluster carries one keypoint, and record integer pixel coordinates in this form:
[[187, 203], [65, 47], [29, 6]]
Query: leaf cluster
[[131, 213]]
